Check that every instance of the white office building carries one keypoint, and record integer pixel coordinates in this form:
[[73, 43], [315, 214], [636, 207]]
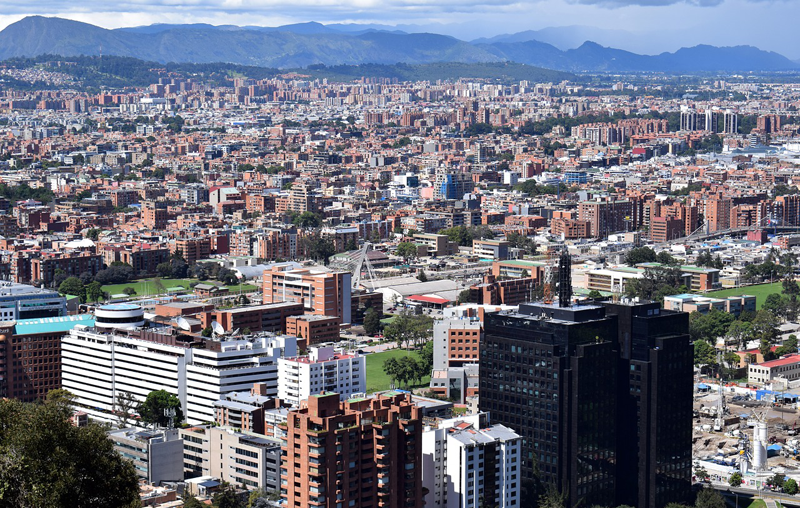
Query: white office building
[[323, 370], [98, 365], [464, 461]]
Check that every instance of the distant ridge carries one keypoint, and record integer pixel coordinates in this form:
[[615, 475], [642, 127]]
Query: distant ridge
[[305, 44]]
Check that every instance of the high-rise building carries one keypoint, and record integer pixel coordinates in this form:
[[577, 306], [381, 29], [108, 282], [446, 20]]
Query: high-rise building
[[30, 355], [688, 119], [452, 185], [606, 217], [711, 120], [154, 215], [99, 364], [363, 452], [731, 122], [466, 463], [321, 292], [588, 388]]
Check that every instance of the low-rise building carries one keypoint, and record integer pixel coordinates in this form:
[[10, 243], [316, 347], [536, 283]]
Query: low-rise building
[[157, 455], [693, 303], [786, 368]]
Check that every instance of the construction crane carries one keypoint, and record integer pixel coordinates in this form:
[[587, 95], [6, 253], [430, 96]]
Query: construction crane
[[362, 265]]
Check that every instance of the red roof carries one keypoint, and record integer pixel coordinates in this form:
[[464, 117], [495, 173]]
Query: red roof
[[428, 299], [786, 360]]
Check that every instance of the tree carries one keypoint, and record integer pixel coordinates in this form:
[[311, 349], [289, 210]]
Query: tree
[[735, 480], [552, 498], [701, 474], [318, 247], [409, 329], [207, 331], [152, 409], [192, 502], [45, 461], [129, 291], [665, 258], [391, 367], [704, 353], [776, 304], [125, 405], [94, 292], [73, 286], [426, 356], [422, 277], [159, 286], [307, 220], [777, 480], [406, 250], [709, 498], [463, 296], [709, 326], [640, 255], [164, 269], [115, 274], [93, 234], [740, 332], [225, 497], [790, 487], [594, 294], [372, 321], [458, 234]]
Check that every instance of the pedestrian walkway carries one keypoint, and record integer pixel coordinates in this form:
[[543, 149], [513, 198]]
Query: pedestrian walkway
[[771, 503]]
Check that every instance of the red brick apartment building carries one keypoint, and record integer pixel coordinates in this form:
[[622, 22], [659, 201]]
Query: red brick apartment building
[[364, 453], [321, 292]]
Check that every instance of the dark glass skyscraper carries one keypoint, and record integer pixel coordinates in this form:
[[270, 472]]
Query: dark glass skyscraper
[[598, 394]]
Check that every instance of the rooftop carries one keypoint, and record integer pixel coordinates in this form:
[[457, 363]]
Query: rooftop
[[52, 325]]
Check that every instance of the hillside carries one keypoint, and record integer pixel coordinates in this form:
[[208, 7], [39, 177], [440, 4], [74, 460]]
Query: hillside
[[306, 44]]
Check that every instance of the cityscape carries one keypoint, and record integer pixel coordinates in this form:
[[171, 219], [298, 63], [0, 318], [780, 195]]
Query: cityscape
[[349, 265]]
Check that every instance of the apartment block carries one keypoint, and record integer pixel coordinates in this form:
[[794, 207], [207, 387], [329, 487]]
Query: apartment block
[[467, 463], [364, 452], [323, 370], [321, 292], [234, 456]]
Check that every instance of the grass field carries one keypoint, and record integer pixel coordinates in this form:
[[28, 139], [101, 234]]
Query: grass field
[[377, 380], [760, 291], [147, 287]]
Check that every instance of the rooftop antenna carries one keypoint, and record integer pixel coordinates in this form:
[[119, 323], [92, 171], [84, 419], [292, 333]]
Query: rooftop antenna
[[169, 414]]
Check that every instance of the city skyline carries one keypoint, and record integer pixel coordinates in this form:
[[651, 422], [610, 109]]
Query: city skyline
[[646, 26]]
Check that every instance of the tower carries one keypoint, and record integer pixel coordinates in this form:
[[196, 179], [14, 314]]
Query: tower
[[565, 280]]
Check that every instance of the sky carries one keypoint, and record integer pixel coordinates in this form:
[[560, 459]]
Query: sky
[[643, 26]]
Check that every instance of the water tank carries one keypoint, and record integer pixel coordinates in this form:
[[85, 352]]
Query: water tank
[[119, 315]]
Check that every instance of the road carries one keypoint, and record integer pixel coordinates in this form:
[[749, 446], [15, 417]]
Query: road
[[737, 492]]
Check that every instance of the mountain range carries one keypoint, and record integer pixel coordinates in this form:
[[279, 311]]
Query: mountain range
[[304, 44]]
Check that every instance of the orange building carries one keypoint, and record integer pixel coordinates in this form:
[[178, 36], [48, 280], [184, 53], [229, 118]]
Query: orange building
[[319, 291]]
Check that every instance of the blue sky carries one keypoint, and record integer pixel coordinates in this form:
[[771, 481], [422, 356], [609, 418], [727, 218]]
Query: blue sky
[[650, 26]]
